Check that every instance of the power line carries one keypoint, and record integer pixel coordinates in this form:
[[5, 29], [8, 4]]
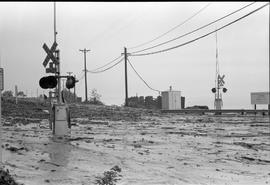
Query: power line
[[106, 68], [172, 28], [141, 77], [105, 64], [143, 54], [195, 29]]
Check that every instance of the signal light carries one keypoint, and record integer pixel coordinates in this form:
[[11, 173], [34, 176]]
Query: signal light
[[224, 89], [70, 83], [48, 82], [214, 90]]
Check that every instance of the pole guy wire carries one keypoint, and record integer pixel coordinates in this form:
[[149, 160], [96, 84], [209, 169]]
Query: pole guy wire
[[141, 77]]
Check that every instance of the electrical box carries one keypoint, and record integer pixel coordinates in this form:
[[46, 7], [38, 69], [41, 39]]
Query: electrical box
[[61, 123], [171, 100]]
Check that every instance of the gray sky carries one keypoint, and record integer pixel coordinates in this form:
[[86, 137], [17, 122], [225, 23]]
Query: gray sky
[[107, 27]]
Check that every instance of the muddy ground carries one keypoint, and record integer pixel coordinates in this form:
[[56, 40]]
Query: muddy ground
[[149, 147]]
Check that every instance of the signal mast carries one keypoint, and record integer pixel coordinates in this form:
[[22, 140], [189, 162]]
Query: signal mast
[[219, 83]]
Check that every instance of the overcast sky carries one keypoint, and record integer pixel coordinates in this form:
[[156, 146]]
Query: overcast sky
[[107, 27]]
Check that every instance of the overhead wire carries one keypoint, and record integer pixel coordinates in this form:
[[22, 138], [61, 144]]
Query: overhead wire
[[166, 42], [177, 26], [106, 68], [198, 38], [106, 64], [141, 77]]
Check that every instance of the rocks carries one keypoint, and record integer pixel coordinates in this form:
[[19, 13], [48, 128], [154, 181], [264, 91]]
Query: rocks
[[15, 149], [80, 138], [47, 180]]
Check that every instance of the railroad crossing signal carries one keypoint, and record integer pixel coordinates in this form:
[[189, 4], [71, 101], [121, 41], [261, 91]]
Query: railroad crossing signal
[[221, 80], [48, 82], [70, 82], [51, 69], [50, 54]]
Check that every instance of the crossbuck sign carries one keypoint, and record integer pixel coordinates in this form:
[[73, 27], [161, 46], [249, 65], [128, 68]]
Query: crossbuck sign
[[50, 54]]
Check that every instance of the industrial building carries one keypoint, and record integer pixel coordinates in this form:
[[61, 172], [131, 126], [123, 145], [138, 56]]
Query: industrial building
[[172, 100]]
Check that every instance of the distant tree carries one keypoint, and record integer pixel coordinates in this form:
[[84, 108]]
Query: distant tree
[[149, 102], [133, 101], [95, 97], [21, 93], [158, 102], [145, 102], [141, 101], [7, 94]]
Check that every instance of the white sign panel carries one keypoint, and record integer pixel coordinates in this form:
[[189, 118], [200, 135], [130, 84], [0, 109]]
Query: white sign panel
[[1, 79], [259, 98]]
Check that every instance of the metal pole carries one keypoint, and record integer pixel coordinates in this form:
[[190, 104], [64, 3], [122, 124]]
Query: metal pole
[[75, 90], [63, 80], [59, 80], [54, 21], [57, 54], [126, 83], [85, 72]]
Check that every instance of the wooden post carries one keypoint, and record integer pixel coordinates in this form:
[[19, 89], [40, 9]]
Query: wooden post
[[126, 80]]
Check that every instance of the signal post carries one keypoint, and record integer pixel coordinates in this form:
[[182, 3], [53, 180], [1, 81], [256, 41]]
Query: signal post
[[59, 110]]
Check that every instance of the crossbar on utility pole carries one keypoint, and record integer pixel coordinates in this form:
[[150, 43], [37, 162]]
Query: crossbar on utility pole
[[85, 71]]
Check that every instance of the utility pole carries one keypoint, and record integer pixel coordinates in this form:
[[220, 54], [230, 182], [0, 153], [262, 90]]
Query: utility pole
[[126, 80], [85, 72]]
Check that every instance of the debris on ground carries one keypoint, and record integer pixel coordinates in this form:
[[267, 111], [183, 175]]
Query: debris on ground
[[109, 177], [6, 178]]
